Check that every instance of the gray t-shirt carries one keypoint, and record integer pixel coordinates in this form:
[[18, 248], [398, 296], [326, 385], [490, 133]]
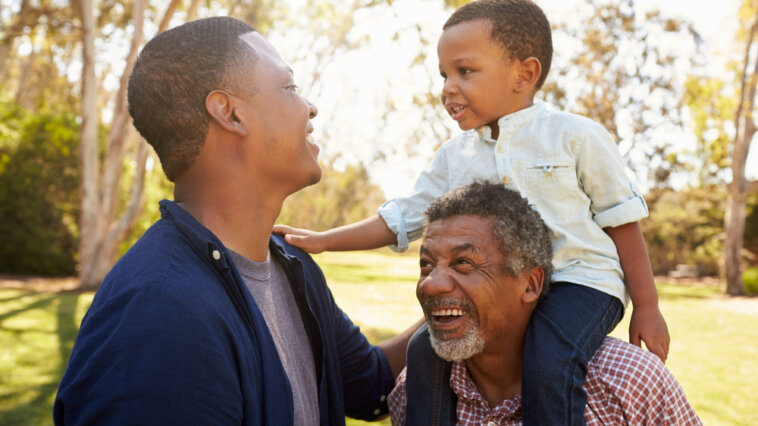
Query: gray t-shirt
[[271, 291]]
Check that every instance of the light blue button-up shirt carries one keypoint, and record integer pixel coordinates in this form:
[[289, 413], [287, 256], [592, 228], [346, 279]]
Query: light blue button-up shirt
[[569, 169]]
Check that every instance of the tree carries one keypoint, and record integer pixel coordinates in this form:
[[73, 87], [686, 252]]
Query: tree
[[100, 227], [745, 125], [618, 68], [106, 219]]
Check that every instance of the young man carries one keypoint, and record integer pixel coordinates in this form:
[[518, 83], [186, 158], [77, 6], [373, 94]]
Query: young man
[[208, 319], [485, 264]]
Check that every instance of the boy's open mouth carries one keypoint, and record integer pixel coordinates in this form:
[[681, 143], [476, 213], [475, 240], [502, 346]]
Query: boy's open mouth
[[457, 111]]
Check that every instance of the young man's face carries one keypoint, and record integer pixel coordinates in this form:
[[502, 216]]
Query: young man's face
[[279, 119], [470, 302], [479, 77]]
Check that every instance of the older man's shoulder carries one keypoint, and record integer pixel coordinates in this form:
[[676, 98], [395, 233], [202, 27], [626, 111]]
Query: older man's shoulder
[[627, 382]]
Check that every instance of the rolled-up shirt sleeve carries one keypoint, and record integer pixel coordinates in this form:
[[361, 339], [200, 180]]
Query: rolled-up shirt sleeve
[[405, 216], [601, 172]]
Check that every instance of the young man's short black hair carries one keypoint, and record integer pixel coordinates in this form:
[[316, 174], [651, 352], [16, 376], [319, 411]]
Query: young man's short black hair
[[520, 26], [171, 78], [522, 236]]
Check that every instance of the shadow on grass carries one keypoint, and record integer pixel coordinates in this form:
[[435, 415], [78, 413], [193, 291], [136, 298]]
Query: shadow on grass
[[20, 296], [39, 410], [36, 305]]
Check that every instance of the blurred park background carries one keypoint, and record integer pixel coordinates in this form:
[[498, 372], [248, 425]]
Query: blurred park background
[[674, 83]]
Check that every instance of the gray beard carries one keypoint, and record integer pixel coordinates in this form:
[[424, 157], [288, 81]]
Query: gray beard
[[464, 348]]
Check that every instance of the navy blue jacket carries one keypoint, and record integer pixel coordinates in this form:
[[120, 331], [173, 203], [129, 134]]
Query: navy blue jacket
[[174, 337]]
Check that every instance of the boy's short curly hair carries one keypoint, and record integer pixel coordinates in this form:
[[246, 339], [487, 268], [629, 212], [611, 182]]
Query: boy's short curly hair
[[173, 75], [521, 234], [519, 26]]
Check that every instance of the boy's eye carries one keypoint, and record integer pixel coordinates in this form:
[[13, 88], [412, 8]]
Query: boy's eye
[[463, 71], [443, 75]]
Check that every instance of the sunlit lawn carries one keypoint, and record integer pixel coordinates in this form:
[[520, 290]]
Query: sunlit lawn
[[714, 350]]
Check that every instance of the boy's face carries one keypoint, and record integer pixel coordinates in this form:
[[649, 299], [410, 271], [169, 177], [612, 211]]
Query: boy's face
[[480, 79]]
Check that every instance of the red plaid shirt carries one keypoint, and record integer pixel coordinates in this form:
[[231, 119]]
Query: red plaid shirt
[[624, 385]]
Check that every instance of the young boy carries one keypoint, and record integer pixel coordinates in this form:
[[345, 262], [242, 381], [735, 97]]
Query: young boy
[[494, 55]]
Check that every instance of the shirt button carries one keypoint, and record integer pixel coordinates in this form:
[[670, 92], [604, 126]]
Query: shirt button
[[382, 398], [506, 180], [377, 411], [500, 149], [216, 254]]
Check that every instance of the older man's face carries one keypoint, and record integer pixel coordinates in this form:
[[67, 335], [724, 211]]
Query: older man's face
[[469, 300]]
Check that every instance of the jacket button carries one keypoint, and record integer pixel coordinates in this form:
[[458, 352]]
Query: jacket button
[[216, 254], [377, 411], [382, 398]]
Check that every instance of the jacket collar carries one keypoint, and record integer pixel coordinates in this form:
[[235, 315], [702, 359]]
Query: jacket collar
[[205, 242]]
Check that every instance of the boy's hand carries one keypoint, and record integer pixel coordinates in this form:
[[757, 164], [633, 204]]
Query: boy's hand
[[648, 325], [310, 241]]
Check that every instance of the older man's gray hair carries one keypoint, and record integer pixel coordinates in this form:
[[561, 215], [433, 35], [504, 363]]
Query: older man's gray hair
[[522, 236]]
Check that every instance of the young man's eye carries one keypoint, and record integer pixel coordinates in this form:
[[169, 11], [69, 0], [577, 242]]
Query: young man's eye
[[293, 87], [463, 71], [444, 76]]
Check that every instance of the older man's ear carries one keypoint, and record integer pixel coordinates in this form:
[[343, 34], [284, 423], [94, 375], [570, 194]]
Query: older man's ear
[[534, 285]]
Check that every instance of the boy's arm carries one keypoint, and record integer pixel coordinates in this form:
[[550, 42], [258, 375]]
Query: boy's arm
[[367, 234], [647, 323]]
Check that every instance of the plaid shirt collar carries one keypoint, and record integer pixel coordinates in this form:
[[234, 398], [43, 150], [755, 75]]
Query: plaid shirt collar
[[471, 405]]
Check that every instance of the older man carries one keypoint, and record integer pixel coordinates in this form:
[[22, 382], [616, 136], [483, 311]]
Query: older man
[[208, 319], [485, 262]]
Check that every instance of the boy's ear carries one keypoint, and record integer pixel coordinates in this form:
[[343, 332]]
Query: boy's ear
[[534, 285], [222, 108], [529, 73]]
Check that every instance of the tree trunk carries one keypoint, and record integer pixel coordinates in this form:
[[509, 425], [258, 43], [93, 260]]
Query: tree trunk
[[90, 158], [101, 229], [734, 217]]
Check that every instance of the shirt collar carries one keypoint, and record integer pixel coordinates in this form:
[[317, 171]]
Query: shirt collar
[[511, 122], [465, 388], [204, 241]]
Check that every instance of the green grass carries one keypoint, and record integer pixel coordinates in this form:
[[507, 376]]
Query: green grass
[[714, 339]]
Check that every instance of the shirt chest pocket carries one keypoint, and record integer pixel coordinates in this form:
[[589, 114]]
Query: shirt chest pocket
[[553, 178]]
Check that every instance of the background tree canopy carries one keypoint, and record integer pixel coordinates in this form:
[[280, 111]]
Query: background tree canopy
[[642, 74]]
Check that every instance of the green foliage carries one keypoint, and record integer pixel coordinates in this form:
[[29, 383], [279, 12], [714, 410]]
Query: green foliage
[[623, 74], [711, 110], [39, 199], [751, 226], [685, 227], [157, 188], [340, 198], [750, 279]]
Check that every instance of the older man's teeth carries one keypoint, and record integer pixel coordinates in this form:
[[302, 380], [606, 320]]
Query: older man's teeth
[[457, 108], [447, 312]]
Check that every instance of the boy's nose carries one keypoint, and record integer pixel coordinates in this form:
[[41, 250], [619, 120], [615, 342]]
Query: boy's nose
[[449, 88], [312, 110]]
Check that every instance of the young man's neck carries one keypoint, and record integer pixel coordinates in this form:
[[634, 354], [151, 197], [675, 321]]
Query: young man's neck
[[242, 220]]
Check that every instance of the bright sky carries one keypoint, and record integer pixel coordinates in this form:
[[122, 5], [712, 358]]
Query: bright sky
[[359, 84]]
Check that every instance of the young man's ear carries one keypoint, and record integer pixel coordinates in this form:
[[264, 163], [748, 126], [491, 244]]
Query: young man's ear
[[222, 108], [534, 285], [529, 73]]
